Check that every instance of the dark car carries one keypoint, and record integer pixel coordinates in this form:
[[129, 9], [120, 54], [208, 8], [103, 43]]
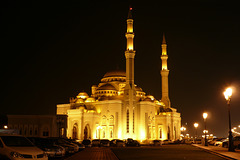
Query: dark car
[[156, 142], [236, 142], [132, 143], [117, 143], [87, 143], [104, 143], [57, 141], [74, 142], [96, 143], [50, 148]]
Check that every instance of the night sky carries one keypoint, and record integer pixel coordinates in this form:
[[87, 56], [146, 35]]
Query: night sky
[[52, 51]]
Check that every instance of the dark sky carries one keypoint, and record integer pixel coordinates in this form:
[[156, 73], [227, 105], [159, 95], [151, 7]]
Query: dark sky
[[52, 51]]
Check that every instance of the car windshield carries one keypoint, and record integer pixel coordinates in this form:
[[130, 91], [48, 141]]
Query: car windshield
[[16, 141]]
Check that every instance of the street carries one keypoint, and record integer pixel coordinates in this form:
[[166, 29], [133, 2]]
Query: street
[[165, 152]]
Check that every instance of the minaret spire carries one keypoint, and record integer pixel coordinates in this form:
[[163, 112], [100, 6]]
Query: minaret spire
[[129, 91], [164, 40], [164, 74]]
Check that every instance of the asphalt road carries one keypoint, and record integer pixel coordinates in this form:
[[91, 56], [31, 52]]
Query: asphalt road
[[165, 152]]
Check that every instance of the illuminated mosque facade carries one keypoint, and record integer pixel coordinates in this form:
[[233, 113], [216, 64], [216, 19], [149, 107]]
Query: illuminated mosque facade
[[118, 109]]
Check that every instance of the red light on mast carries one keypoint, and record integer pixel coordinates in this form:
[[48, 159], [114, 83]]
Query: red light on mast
[[130, 8]]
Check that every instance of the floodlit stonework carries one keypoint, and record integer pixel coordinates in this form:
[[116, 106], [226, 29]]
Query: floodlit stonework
[[119, 109]]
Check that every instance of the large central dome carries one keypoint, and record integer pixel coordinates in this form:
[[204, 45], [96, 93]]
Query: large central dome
[[115, 73]]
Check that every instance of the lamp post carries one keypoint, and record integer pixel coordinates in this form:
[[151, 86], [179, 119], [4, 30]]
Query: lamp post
[[205, 115], [196, 126], [228, 95]]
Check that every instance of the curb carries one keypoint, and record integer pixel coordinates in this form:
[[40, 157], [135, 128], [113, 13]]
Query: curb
[[216, 153]]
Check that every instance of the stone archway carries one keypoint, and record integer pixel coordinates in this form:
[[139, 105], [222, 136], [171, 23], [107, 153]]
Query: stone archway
[[74, 131], [87, 133]]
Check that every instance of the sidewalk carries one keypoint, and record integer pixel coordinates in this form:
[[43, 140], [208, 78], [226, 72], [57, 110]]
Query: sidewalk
[[99, 153], [221, 151]]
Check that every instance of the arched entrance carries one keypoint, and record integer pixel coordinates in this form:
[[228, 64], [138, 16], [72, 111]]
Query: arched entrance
[[87, 133], [74, 131]]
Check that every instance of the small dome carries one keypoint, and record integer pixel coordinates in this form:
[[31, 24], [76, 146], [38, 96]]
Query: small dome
[[116, 73], [82, 95], [79, 101], [151, 97], [138, 88], [90, 99], [107, 87]]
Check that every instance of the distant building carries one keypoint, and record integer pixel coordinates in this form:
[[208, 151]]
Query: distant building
[[38, 125], [118, 108]]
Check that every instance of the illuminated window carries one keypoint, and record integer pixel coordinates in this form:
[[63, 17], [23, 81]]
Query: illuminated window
[[111, 120], [104, 120], [150, 132], [104, 134], [154, 136], [149, 120], [111, 133], [62, 131]]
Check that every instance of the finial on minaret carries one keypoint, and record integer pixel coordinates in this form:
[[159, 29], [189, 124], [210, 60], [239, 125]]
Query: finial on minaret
[[164, 40], [130, 13]]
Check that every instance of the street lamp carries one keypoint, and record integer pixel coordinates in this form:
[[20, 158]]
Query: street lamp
[[183, 129], [205, 115], [196, 126], [228, 95]]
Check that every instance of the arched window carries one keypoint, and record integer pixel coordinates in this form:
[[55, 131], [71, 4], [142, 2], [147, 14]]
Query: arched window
[[30, 131], [111, 120], [149, 120], [104, 134], [104, 120], [35, 131], [45, 132], [111, 133]]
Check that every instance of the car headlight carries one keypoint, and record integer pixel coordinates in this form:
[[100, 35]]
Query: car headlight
[[16, 155]]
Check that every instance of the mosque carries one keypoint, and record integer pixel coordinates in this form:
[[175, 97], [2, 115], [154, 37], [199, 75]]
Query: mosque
[[119, 109]]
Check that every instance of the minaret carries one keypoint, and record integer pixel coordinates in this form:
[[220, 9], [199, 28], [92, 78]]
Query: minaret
[[164, 74], [129, 91]]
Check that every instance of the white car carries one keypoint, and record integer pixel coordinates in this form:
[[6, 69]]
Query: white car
[[14, 147]]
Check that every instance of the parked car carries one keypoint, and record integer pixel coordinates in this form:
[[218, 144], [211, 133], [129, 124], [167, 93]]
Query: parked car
[[198, 141], [57, 141], [156, 142], [167, 141], [220, 143], [132, 143], [104, 143], [87, 143], [117, 143], [96, 143], [215, 142], [49, 147], [74, 142], [236, 142], [13, 147]]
